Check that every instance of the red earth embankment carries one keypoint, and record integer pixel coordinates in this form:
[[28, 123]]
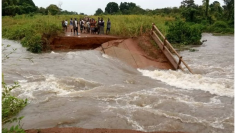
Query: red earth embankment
[[79, 42]]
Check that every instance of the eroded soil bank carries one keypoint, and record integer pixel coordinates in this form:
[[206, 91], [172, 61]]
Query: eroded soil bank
[[79, 42]]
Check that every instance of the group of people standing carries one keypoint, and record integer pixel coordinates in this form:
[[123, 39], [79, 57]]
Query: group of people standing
[[87, 25]]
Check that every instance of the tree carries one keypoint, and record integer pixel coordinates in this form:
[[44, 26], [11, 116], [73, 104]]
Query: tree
[[112, 8], [229, 9], [52, 9], [216, 10], [41, 10], [188, 10], [207, 7], [187, 3], [98, 11], [126, 7], [13, 7], [137, 10], [65, 12]]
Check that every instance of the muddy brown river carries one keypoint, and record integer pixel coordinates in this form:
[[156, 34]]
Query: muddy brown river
[[88, 89]]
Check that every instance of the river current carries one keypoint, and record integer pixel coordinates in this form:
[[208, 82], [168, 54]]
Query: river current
[[89, 89]]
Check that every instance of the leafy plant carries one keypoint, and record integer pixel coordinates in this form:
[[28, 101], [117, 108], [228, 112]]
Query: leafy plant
[[6, 56], [220, 27], [181, 32], [14, 129], [10, 104]]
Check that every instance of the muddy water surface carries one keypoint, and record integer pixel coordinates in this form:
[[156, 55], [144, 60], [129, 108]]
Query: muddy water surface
[[90, 90]]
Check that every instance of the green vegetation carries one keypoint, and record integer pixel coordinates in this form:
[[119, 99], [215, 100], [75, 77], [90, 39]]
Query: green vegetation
[[13, 7], [36, 32], [185, 33], [10, 104], [184, 25]]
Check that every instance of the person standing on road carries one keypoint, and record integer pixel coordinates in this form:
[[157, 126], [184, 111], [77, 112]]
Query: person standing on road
[[81, 25], [75, 26], [71, 25], [101, 26], [108, 26], [66, 23], [63, 24], [88, 26], [92, 26], [98, 25]]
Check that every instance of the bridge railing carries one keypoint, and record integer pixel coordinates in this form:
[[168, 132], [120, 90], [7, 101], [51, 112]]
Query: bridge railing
[[167, 49]]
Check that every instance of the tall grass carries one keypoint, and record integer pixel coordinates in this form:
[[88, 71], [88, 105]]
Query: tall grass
[[36, 31]]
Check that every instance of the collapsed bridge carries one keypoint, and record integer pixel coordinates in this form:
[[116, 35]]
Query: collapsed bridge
[[126, 49]]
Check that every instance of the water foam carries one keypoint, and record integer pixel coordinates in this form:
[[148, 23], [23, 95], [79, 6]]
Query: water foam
[[106, 56], [41, 91], [221, 87]]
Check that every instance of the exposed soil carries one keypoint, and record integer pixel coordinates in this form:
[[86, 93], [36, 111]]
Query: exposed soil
[[81, 130], [69, 41], [65, 43], [137, 52], [150, 48]]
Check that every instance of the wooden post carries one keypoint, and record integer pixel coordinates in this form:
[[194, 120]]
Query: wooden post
[[152, 27], [164, 44], [180, 59]]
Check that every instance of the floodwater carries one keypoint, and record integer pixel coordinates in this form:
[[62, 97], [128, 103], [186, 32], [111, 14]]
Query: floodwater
[[88, 89]]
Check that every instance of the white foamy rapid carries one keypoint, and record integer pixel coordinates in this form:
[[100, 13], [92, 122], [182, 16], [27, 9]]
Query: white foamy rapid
[[42, 91], [218, 86]]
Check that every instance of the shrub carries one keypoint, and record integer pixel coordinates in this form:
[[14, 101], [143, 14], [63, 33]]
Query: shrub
[[35, 44], [220, 27], [220, 24], [182, 33]]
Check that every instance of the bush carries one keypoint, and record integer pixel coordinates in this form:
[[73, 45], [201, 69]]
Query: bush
[[183, 33], [30, 29], [220, 27], [33, 43], [220, 24]]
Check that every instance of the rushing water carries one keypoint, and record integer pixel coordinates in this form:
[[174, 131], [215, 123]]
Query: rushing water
[[90, 90]]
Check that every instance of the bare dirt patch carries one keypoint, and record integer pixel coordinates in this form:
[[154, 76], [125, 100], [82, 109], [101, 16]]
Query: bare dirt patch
[[147, 44]]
